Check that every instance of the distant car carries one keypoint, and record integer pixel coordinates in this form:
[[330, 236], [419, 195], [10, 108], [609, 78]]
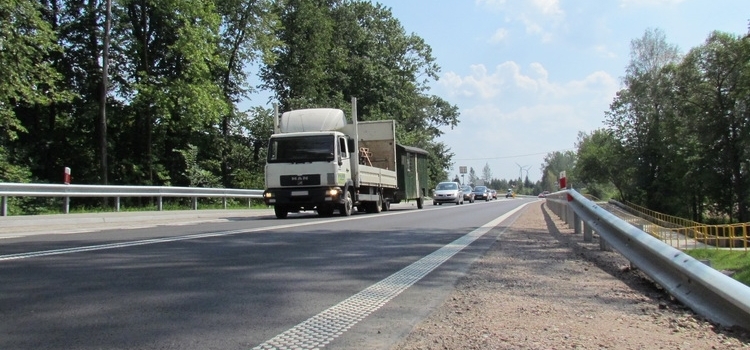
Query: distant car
[[448, 192], [543, 194], [493, 194], [482, 192], [509, 194], [468, 193]]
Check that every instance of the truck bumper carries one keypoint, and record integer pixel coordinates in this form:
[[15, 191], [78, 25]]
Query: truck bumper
[[303, 198]]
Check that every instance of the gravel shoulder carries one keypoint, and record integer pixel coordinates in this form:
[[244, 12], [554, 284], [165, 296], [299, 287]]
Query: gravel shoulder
[[541, 287]]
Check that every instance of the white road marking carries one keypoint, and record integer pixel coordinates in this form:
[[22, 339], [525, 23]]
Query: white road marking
[[319, 330], [176, 238]]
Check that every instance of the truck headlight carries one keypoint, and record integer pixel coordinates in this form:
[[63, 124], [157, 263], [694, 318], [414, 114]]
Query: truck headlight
[[333, 192], [267, 195]]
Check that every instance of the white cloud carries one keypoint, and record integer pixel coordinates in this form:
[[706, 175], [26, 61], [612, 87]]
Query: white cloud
[[542, 18], [648, 3], [603, 51], [508, 79], [500, 35], [491, 3], [539, 69], [549, 7]]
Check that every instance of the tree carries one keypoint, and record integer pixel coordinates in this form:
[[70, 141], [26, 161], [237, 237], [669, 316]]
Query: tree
[[299, 77], [601, 160], [486, 173], [714, 84], [27, 43], [555, 163], [30, 86], [639, 114], [173, 81], [336, 50], [439, 156], [246, 39], [473, 179]]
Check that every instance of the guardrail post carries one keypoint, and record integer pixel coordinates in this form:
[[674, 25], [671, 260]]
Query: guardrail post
[[4, 206], [577, 222], [552, 205], [570, 217], [603, 245], [159, 204], [224, 202], [195, 203], [117, 204], [588, 232], [66, 205]]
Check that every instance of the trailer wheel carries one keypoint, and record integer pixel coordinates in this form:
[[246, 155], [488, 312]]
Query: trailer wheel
[[346, 208], [420, 203], [280, 212]]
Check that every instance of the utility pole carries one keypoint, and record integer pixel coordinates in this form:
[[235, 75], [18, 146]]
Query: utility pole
[[103, 102]]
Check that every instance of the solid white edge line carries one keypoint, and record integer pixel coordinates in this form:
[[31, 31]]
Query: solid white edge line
[[339, 318]]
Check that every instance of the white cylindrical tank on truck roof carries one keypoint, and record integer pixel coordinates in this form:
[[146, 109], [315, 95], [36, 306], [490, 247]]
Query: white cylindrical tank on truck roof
[[313, 119]]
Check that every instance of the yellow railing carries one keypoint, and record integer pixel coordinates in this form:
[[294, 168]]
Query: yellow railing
[[685, 233], [663, 219]]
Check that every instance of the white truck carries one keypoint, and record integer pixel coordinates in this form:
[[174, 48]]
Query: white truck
[[318, 161]]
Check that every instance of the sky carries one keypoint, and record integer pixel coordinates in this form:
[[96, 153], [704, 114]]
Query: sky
[[529, 75]]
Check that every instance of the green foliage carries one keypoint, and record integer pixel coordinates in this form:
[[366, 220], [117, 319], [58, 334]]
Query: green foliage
[[677, 138], [336, 50], [738, 262], [10, 172], [29, 79], [199, 173], [600, 164], [178, 69], [555, 163]]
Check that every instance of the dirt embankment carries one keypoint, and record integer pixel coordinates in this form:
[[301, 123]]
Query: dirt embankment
[[542, 287]]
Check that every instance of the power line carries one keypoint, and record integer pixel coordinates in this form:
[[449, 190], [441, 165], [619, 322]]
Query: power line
[[516, 156]]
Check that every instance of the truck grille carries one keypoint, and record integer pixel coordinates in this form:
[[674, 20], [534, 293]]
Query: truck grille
[[300, 180]]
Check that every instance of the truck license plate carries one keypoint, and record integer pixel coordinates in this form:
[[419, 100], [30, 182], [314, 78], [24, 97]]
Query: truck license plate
[[300, 193]]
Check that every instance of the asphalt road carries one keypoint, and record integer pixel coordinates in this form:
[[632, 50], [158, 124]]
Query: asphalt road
[[240, 282]]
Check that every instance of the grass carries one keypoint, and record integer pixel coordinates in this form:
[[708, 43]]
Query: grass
[[55, 207], [735, 261]]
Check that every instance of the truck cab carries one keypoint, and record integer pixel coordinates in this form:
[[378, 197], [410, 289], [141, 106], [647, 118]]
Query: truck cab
[[308, 166]]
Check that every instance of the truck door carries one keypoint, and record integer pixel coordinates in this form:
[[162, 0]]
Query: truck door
[[345, 167]]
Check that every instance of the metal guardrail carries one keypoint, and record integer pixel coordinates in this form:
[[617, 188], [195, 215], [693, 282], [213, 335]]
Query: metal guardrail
[[117, 192], [705, 290]]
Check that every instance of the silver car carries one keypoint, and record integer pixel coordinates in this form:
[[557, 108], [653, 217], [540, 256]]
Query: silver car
[[447, 192]]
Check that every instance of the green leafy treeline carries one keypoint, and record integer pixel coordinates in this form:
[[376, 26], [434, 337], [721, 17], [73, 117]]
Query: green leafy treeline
[[178, 71], [677, 136]]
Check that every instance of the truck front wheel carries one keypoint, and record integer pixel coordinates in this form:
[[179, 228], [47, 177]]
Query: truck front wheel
[[280, 212], [346, 208]]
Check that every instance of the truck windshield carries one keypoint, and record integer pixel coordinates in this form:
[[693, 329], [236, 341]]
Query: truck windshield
[[301, 149]]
